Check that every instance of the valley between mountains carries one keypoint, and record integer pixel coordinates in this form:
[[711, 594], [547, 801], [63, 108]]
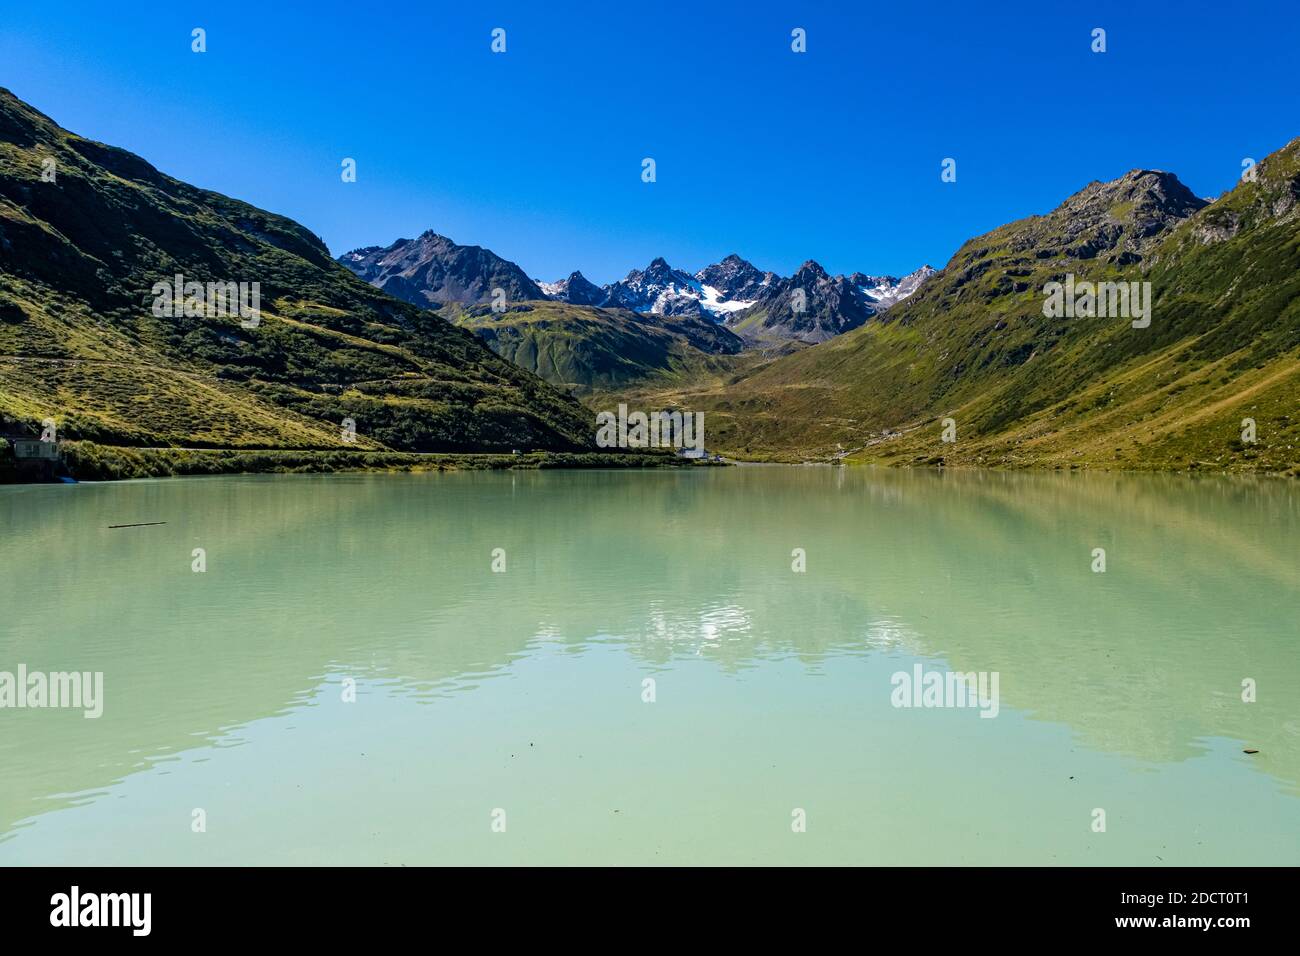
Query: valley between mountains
[[434, 347], [814, 367]]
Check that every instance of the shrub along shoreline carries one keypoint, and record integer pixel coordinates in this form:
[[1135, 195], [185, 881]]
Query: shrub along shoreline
[[89, 461]]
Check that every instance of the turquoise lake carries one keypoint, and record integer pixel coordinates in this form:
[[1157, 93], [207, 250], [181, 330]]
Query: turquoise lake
[[645, 678]]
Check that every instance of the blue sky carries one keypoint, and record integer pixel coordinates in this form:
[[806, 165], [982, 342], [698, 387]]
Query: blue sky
[[832, 155]]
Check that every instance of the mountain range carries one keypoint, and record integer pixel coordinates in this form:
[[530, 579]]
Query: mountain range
[[426, 345], [656, 324], [761, 307]]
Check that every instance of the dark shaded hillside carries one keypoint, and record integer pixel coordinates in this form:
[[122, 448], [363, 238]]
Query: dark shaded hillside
[[1024, 389], [79, 257]]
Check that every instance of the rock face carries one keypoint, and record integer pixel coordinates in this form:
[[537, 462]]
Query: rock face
[[432, 270], [1271, 195], [761, 307], [1119, 221], [576, 289], [660, 289], [884, 291], [812, 306], [736, 279], [715, 291]]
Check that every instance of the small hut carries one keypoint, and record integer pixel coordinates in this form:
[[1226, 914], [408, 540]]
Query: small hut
[[34, 460]]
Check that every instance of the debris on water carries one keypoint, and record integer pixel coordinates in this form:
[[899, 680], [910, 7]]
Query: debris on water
[[1249, 751], [142, 524]]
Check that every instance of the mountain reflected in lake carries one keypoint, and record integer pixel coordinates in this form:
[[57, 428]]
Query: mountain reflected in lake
[[648, 680]]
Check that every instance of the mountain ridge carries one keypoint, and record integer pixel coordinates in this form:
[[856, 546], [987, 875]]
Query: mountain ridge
[[88, 231], [434, 271], [975, 345]]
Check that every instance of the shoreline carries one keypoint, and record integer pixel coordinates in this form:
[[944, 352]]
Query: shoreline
[[89, 461], [1050, 466]]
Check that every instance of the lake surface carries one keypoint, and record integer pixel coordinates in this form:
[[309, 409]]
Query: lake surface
[[479, 691]]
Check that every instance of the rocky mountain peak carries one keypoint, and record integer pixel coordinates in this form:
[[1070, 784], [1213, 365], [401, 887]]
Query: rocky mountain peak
[[810, 271], [577, 289], [1147, 201], [432, 270], [1118, 221], [735, 279]]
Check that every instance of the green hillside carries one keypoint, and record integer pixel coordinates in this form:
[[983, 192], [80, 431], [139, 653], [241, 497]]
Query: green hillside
[[584, 349], [1026, 390], [80, 343]]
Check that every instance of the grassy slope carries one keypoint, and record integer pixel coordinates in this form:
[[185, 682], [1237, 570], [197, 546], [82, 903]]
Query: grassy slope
[[586, 350], [78, 341], [1026, 390]]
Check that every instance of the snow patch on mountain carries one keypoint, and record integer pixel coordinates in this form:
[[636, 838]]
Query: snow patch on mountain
[[719, 291], [715, 301], [888, 291]]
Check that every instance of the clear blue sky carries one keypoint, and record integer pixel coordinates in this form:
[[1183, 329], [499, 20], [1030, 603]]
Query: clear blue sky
[[832, 155]]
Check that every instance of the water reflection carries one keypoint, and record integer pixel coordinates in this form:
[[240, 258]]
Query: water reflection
[[388, 579]]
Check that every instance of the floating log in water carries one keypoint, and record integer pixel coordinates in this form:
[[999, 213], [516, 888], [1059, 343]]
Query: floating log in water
[[142, 524]]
